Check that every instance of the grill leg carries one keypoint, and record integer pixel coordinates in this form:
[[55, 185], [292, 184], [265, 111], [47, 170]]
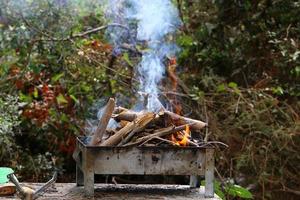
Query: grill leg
[[88, 171], [79, 176], [209, 173], [194, 181]]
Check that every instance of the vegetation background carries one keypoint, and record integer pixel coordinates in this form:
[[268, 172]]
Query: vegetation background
[[239, 70]]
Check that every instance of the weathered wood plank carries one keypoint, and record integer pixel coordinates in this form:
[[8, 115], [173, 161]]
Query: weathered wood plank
[[69, 191]]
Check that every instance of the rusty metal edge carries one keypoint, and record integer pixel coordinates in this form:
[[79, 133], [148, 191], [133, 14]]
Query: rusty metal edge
[[80, 141]]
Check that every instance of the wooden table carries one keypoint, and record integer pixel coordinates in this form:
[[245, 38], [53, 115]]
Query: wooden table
[[69, 191]]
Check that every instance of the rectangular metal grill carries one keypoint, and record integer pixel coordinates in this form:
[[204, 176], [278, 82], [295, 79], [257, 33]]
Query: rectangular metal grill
[[192, 161]]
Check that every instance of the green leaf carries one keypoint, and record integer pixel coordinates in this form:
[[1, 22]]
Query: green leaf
[[185, 40], [232, 85], [217, 188], [64, 118], [74, 99], [85, 87], [57, 77], [184, 53], [25, 98], [296, 71], [72, 89], [36, 68], [296, 55], [127, 59], [221, 88], [278, 90], [61, 99], [4, 171], [35, 93], [238, 191]]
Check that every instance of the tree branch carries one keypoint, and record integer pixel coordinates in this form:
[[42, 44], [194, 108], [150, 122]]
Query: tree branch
[[78, 35]]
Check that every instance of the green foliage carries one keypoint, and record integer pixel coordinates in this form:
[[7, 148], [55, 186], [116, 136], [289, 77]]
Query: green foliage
[[238, 191], [12, 153], [246, 41], [261, 132], [8, 113], [242, 66], [9, 121], [55, 80], [127, 59], [228, 190]]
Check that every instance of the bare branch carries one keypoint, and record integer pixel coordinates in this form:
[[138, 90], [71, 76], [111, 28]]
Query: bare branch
[[78, 35]]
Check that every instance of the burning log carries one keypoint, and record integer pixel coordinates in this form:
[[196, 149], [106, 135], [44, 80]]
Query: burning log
[[129, 115], [139, 128], [159, 133], [180, 120], [103, 122]]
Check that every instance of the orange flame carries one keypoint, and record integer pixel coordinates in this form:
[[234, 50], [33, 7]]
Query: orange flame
[[174, 140], [184, 139]]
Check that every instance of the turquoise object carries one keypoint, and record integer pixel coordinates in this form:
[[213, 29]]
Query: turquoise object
[[4, 171]]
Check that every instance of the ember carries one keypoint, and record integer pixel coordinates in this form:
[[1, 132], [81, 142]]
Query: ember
[[144, 128], [184, 135]]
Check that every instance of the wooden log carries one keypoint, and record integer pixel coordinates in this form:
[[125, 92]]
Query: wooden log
[[180, 120], [135, 126], [158, 138], [127, 115], [103, 122], [119, 109], [138, 129], [123, 123], [159, 133], [153, 123], [121, 113], [164, 131]]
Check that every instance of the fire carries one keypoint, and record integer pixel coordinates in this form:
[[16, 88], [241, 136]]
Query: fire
[[183, 135], [186, 135]]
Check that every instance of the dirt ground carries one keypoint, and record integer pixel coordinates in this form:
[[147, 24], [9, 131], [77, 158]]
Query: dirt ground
[[69, 191]]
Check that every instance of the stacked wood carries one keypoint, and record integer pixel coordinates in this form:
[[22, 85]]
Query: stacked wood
[[144, 128], [103, 122]]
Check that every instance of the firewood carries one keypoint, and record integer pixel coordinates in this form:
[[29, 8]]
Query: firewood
[[119, 109], [123, 123], [117, 137], [149, 130], [158, 138], [127, 115], [135, 126], [164, 131], [138, 129], [103, 122], [130, 115], [141, 127], [159, 133], [180, 120]]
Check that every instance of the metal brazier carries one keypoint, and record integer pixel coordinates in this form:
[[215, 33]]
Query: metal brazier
[[171, 160]]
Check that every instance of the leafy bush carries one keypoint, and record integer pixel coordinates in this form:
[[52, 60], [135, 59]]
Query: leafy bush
[[9, 122], [55, 79]]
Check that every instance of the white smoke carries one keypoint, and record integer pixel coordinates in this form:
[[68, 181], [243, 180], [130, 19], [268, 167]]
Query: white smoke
[[155, 20]]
